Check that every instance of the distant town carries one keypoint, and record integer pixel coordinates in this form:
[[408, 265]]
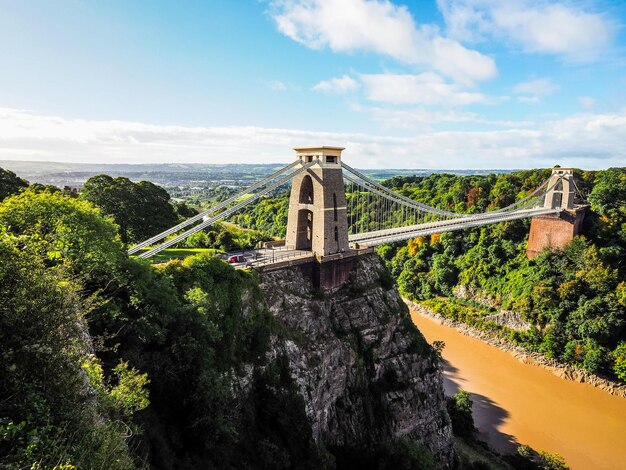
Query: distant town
[[185, 180]]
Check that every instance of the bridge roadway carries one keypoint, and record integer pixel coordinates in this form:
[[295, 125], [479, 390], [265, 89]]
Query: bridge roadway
[[267, 256], [390, 201], [270, 256], [391, 235]]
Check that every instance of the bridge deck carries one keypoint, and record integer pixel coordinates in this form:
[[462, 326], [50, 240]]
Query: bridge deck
[[404, 233]]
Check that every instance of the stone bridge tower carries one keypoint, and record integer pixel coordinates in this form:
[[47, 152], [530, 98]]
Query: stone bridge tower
[[317, 218], [557, 230], [562, 194]]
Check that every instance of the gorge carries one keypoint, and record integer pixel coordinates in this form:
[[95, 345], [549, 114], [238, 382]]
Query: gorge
[[516, 402]]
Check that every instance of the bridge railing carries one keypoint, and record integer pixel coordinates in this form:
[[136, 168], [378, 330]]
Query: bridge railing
[[278, 256]]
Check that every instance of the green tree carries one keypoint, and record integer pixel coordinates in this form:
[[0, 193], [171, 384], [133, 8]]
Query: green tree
[[183, 210], [141, 210], [619, 361], [460, 411], [64, 230], [225, 240], [608, 196], [10, 183], [197, 240]]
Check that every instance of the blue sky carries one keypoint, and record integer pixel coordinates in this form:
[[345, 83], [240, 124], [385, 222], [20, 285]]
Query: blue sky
[[418, 84]]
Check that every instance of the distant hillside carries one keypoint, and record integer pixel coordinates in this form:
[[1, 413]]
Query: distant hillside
[[180, 174]]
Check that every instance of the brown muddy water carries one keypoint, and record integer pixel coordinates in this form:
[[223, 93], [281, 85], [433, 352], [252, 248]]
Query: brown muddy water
[[523, 403]]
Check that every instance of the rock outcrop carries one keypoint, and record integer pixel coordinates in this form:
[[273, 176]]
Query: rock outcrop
[[366, 374], [508, 318]]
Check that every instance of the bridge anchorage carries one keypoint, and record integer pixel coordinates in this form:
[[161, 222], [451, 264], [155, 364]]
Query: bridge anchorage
[[337, 213]]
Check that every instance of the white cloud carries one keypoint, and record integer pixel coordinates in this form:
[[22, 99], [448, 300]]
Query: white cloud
[[536, 87], [277, 85], [417, 118], [585, 140], [425, 88], [587, 102], [528, 99], [378, 26], [422, 118], [337, 85], [546, 26]]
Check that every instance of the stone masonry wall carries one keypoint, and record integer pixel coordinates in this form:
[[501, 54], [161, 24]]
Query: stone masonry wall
[[553, 231]]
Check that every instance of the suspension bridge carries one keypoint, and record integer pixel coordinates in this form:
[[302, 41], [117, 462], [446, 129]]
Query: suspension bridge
[[335, 209]]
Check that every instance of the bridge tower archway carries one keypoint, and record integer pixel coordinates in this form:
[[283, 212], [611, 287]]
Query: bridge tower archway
[[317, 219], [561, 187], [306, 190], [304, 238]]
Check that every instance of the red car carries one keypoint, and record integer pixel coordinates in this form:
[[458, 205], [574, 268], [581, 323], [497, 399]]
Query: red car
[[236, 259]]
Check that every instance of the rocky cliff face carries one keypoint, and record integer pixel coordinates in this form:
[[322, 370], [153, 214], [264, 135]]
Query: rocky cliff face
[[364, 371]]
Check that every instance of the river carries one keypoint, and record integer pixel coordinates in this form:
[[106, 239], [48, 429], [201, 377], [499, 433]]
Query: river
[[523, 403]]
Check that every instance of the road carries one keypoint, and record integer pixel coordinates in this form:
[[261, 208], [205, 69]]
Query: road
[[265, 256]]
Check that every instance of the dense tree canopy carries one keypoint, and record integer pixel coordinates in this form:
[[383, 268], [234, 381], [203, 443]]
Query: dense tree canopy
[[175, 341], [64, 230], [10, 183], [141, 210], [575, 297], [48, 415]]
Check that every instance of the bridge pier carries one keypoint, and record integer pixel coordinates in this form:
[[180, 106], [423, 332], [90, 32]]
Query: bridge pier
[[554, 230], [332, 274], [557, 230]]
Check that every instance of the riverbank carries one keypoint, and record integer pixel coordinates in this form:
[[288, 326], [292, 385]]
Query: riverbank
[[521, 402], [564, 371]]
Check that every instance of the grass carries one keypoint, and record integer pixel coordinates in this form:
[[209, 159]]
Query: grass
[[178, 253], [472, 452], [245, 197], [234, 228]]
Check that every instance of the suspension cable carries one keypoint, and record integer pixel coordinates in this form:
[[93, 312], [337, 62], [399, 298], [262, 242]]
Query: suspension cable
[[227, 212], [213, 209]]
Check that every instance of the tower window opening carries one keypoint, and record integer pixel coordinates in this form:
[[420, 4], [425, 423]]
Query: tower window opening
[[306, 190], [332, 159], [335, 205], [336, 234]]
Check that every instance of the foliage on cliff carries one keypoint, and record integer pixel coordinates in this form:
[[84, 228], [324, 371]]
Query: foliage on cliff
[[576, 296], [108, 362], [53, 411]]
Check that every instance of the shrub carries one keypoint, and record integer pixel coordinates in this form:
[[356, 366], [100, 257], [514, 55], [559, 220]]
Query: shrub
[[460, 410], [619, 361]]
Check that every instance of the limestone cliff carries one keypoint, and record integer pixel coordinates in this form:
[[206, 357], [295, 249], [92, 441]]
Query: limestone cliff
[[364, 371]]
